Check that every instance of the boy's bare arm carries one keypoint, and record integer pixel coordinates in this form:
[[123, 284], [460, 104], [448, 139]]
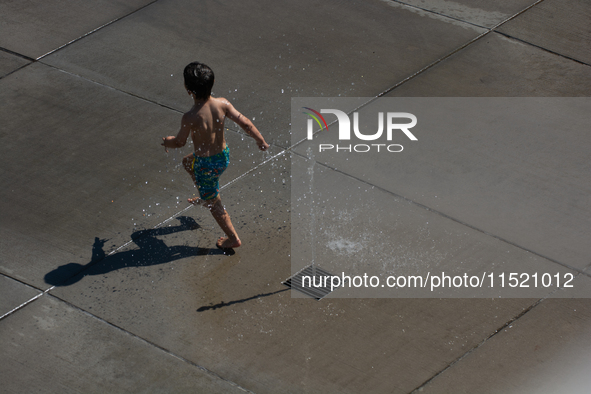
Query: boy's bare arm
[[181, 138], [246, 125]]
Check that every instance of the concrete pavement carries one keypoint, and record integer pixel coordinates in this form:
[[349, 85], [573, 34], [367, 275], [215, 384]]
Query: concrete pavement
[[109, 282]]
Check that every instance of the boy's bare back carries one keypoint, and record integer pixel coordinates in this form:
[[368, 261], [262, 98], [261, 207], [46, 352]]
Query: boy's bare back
[[205, 124]]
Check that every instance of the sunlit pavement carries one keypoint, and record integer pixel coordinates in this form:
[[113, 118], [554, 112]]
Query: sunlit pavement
[[111, 282]]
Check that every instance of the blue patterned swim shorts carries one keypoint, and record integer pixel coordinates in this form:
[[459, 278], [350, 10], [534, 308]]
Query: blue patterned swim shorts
[[207, 172]]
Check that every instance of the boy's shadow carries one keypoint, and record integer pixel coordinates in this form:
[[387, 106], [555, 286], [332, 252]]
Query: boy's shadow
[[152, 251]]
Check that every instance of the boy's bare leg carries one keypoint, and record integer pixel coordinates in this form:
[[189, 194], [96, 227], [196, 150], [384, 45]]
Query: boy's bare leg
[[223, 219], [188, 166]]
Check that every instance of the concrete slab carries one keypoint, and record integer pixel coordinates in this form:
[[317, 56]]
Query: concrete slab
[[52, 347], [262, 59], [480, 12], [496, 66], [230, 314], [10, 63], [34, 28], [559, 26], [85, 167], [356, 229], [545, 351], [14, 294], [508, 171]]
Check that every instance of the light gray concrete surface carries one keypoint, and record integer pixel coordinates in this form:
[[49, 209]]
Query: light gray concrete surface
[[13, 294], [10, 63], [164, 312], [55, 347], [551, 344]]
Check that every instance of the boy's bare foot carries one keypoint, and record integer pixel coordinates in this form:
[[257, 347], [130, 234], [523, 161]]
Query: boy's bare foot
[[195, 201], [227, 243]]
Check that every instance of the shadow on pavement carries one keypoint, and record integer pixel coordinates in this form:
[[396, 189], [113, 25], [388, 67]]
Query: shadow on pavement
[[223, 304], [152, 251]]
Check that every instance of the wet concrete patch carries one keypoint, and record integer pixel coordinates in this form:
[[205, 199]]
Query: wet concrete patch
[[479, 161], [231, 314], [480, 12], [559, 26], [376, 244], [496, 66], [89, 169]]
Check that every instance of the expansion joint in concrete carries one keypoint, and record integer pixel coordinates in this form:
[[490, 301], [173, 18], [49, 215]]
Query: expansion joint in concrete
[[475, 347], [465, 45], [17, 54], [543, 49], [97, 29], [19, 307], [446, 216], [31, 60], [146, 341]]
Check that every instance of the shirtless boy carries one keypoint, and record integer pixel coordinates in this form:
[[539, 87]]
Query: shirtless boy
[[205, 124]]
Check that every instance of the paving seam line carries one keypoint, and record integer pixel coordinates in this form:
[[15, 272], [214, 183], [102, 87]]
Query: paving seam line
[[439, 213], [30, 59], [542, 48], [467, 22], [111, 87], [18, 69], [150, 343], [96, 29], [437, 13], [16, 54], [481, 343], [434, 63], [41, 292], [21, 306], [133, 95], [488, 30]]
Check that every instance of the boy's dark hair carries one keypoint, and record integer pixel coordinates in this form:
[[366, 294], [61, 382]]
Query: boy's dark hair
[[199, 79]]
